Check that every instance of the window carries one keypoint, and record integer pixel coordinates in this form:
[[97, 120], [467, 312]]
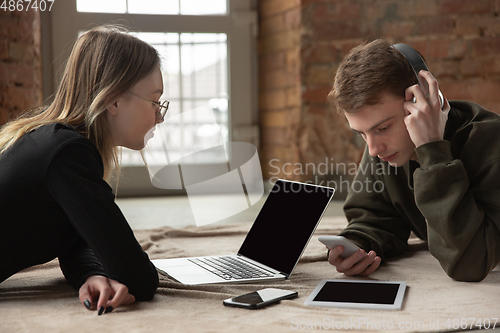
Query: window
[[208, 58], [194, 67], [162, 7]]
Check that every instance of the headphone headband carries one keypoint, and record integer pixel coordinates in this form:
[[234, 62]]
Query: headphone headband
[[417, 63]]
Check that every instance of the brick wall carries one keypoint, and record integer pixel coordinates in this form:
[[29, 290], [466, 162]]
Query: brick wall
[[303, 41], [280, 85], [20, 63]]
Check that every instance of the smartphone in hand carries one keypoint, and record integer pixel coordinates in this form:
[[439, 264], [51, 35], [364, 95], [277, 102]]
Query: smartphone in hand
[[260, 298], [332, 241]]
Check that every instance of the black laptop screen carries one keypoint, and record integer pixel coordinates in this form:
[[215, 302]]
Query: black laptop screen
[[285, 224]]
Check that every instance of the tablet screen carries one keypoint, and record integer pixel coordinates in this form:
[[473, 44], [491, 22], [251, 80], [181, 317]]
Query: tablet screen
[[360, 294], [350, 292]]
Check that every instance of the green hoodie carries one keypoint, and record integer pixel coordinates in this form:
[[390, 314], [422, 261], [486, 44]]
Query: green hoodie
[[451, 198]]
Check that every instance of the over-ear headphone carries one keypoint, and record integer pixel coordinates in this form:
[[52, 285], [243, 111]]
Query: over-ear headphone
[[417, 63]]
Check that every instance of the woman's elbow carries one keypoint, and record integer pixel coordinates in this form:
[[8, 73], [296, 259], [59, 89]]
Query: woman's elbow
[[146, 288]]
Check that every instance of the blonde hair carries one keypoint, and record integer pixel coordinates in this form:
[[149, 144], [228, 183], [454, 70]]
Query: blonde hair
[[104, 64]]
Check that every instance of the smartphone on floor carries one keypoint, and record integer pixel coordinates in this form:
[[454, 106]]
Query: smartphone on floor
[[260, 298]]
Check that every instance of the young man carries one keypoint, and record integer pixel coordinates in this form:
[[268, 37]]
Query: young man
[[439, 168]]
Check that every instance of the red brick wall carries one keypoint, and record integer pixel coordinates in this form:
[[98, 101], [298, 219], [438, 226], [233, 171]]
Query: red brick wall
[[303, 41], [20, 63], [280, 85]]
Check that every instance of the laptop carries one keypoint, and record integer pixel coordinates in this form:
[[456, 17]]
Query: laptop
[[272, 247]]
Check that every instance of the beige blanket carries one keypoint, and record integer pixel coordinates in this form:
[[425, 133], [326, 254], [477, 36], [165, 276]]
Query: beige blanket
[[39, 300]]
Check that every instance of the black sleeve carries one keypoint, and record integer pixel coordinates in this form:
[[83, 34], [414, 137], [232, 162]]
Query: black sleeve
[[74, 179], [79, 262]]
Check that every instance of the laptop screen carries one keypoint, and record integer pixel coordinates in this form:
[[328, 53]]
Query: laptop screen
[[285, 224]]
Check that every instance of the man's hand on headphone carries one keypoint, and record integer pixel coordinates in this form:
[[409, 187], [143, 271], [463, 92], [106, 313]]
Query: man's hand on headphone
[[425, 121]]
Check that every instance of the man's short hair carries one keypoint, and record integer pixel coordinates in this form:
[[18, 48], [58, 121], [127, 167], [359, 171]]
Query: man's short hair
[[368, 71]]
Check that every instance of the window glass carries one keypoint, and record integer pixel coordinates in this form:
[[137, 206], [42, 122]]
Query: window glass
[[158, 7], [161, 7], [194, 68], [99, 6], [203, 7]]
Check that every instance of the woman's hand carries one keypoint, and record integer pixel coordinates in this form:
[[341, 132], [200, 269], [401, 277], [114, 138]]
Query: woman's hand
[[104, 294]]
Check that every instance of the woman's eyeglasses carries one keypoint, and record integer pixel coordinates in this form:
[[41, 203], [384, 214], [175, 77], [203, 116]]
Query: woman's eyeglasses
[[161, 107]]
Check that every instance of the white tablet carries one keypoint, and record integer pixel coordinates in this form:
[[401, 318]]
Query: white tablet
[[358, 294]]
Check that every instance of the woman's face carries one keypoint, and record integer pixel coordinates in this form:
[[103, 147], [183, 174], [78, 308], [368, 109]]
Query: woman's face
[[133, 117]]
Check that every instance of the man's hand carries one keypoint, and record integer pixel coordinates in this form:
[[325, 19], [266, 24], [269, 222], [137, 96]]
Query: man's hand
[[360, 263], [425, 121], [104, 294]]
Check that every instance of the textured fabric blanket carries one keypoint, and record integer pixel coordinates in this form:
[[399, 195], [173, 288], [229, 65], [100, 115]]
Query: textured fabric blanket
[[39, 300]]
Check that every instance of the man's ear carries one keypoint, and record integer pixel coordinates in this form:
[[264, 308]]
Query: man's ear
[[113, 108]]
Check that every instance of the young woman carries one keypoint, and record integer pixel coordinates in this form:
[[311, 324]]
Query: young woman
[[54, 198]]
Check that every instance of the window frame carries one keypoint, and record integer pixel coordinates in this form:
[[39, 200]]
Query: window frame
[[61, 26]]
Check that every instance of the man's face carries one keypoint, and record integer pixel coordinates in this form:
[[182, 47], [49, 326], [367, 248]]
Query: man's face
[[384, 131]]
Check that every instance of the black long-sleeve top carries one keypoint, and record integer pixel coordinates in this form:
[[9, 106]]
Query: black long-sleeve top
[[55, 203]]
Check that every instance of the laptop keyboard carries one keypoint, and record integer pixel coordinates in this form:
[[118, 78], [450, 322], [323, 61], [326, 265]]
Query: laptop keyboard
[[230, 268]]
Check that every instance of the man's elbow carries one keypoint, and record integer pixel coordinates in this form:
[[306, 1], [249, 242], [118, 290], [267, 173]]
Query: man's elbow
[[463, 266], [466, 275]]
